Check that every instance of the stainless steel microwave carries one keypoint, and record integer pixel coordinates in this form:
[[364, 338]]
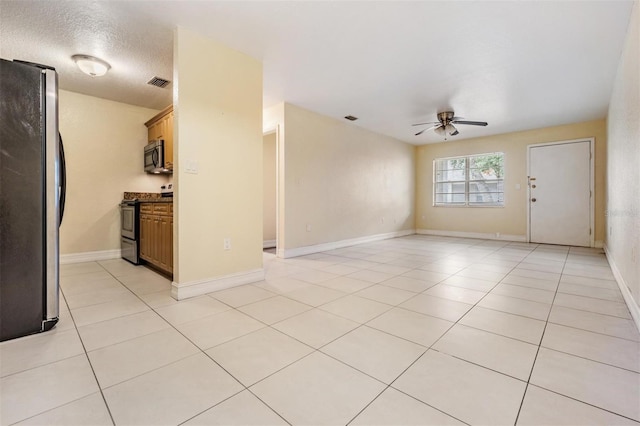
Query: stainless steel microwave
[[154, 161]]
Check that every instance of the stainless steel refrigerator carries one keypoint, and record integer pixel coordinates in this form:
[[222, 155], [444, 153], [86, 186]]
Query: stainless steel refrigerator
[[32, 188]]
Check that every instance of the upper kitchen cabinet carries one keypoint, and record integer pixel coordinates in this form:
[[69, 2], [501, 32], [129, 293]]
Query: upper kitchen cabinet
[[161, 127]]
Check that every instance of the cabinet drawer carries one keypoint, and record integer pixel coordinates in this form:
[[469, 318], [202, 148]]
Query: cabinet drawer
[[161, 209], [146, 208]]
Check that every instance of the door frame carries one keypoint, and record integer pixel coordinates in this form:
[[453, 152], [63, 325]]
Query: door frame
[[276, 130], [591, 183]]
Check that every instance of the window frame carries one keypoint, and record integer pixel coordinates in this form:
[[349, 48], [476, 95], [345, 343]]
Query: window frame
[[467, 181]]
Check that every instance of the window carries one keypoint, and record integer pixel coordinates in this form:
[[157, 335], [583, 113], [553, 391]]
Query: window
[[474, 180]]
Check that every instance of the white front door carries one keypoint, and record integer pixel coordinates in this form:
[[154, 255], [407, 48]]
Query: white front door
[[560, 193]]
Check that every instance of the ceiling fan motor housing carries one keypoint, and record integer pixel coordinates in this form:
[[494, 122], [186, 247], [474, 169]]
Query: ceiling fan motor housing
[[445, 124], [445, 117]]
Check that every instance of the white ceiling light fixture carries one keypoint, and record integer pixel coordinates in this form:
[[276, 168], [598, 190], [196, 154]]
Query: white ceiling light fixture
[[91, 65]]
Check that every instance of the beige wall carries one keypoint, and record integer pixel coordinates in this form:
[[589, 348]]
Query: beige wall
[[623, 177], [218, 115], [342, 181], [510, 220], [269, 187], [273, 118], [103, 143]]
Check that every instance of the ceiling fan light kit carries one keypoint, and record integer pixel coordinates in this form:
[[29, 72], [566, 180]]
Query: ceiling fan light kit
[[445, 124]]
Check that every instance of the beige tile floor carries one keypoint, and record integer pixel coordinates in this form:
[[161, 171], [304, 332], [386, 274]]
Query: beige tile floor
[[409, 331]]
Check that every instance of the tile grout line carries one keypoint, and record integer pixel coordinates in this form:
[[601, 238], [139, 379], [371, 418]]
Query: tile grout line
[[430, 347], [158, 368], [533, 365], [584, 402], [247, 388], [455, 323], [592, 360], [359, 326], [86, 354], [594, 332], [201, 351], [539, 345], [38, 334], [338, 360]]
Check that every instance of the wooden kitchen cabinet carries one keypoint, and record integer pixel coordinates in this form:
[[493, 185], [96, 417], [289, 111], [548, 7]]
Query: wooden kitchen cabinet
[[146, 222], [161, 127], [156, 235], [165, 255]]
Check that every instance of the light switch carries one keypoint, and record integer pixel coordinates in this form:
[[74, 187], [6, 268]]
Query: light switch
[[192, 167]]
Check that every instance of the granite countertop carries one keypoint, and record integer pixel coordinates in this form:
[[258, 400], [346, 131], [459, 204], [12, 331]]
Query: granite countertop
[[147, 197], [158, 200]]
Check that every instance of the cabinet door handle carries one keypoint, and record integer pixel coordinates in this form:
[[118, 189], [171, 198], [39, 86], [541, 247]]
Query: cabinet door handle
[[533, 200]]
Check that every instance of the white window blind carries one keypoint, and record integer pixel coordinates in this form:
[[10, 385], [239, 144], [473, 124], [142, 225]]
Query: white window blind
[[473, 180]]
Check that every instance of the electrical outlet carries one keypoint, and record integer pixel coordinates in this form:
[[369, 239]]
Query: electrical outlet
[[382, 220], [308, 228], [227, 243]]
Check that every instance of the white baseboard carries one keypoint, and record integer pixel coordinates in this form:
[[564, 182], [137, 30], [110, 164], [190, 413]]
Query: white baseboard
[[301, 251], [476, 235], [200, 287], [90, 256], [268, 244], [624, 289]]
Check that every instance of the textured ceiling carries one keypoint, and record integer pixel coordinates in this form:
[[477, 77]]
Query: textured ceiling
[[516, 64]]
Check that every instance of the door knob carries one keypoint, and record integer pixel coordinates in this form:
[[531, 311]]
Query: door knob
[[533, 200], [533, 186]]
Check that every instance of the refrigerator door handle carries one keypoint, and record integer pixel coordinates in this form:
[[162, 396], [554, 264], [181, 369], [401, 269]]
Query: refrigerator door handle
[[63, 180], [52, 203]]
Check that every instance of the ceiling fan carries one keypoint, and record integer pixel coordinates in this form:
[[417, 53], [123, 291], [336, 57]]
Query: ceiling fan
[[445, 124]]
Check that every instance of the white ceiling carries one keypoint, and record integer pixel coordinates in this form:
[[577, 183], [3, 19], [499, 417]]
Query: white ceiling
[[516, 64]]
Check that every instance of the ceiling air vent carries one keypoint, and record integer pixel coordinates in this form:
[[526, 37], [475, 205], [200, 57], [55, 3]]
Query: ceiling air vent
[[351, 118], [159, 82]]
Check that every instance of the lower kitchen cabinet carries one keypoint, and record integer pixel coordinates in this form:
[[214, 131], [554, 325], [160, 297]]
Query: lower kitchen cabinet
[[156, 235], [165, 235], [146, 228]]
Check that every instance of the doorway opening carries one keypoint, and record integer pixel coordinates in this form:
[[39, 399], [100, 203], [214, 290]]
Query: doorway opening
[[270, 192]]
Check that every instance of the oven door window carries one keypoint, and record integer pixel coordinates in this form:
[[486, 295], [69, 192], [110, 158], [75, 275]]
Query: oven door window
[[128, 222]]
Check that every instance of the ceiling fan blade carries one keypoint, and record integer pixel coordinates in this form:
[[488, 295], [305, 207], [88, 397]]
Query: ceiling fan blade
[[428, 128], [422, 124], [471, 123]]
